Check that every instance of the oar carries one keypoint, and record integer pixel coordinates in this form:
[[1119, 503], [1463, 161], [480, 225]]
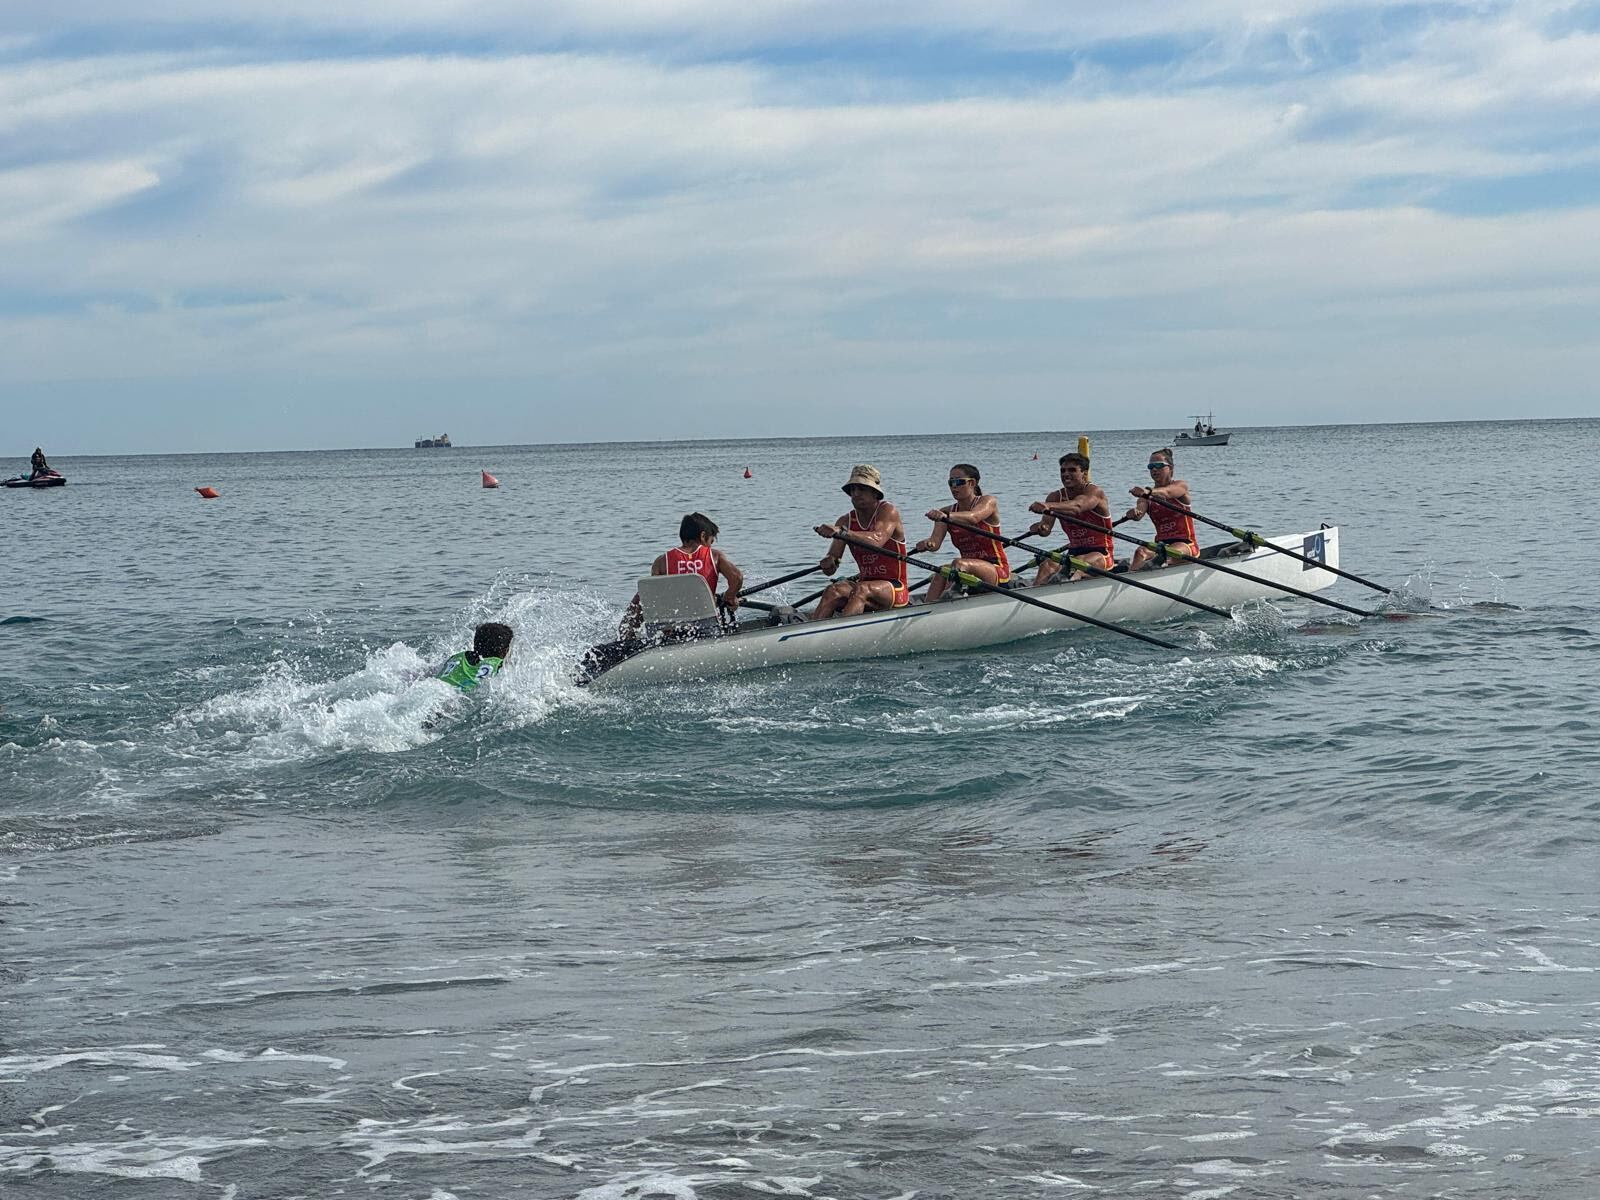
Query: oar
[[1065, 559], [1168, 552], [1255, 539], [772, 583], [972, 581]]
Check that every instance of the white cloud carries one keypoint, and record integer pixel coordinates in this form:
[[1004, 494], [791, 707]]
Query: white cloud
[[560, 214]]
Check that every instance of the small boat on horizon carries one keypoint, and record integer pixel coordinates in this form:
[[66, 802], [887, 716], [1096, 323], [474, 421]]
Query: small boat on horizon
[[1203, 433], [442, 442]]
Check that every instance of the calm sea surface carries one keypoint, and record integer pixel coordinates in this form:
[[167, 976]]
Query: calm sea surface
[[1307, 909]]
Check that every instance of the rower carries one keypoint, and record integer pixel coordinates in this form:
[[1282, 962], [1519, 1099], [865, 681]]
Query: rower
[[693, 555], [1084, 501], [972, 511], [880, 581], [1174, 526]]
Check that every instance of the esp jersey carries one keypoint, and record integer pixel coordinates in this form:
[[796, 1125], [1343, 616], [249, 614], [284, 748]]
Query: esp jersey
[[870, 565], [701, 561], [971, 544], [1172, 524]]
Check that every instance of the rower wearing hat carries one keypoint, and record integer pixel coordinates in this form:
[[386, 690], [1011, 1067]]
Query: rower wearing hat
[[880, 581]]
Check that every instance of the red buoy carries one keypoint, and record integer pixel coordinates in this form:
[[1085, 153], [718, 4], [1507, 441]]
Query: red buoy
[[208, 493], [489, 480], [747, 474]]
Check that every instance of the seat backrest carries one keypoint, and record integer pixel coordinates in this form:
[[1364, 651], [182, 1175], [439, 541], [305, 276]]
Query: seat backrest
[[676, 600]]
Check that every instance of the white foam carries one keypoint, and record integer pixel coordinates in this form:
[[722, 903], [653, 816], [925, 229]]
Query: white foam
[[31, 1064]]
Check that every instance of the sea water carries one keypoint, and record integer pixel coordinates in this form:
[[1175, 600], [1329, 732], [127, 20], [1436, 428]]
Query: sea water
[[1307, 907]]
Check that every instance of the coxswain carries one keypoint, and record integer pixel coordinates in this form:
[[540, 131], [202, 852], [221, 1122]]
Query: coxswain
[[1082, 501], [973, 511], [40, 466], [880, 581], [693, 555], [1174, 526]]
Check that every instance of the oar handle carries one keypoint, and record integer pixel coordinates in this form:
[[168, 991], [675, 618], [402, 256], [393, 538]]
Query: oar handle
[[1022, 597], [1078, 564], [1250, 537]]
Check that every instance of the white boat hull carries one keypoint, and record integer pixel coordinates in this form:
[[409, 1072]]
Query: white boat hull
[[972, 622], [1204, 439]]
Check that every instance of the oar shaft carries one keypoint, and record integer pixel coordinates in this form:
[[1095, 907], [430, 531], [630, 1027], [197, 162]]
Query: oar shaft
[[1064, 559], [772, 583], [1021, 597], [1158, 548], [1250, 537]]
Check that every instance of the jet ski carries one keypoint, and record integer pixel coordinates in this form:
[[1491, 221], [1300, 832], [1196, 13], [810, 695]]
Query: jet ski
[[48, 479]]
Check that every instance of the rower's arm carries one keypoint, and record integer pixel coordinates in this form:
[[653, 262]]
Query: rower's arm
[[731, 573], [974, 518]]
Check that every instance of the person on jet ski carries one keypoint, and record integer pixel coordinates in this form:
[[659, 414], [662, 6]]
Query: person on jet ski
[[40, 466]]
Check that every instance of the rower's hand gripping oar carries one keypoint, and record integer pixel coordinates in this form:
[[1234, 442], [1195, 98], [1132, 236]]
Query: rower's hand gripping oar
[[972, 581], [1062, 558], [1169, 552], [1251, 538]]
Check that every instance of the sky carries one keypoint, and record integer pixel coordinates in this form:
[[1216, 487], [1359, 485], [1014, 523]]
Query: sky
[[295, 224]]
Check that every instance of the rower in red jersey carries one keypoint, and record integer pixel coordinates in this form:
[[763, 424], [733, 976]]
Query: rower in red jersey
[[880, 581], [1083, 501], [694, 555], [1174, 526], [973, 511]]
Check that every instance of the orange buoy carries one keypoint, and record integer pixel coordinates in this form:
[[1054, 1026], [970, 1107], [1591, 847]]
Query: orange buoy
[[747, 474], [489, 480], [208, 493]]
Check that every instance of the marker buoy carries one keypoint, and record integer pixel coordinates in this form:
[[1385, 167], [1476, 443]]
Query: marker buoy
[[489, 480], [208, 493], [747, 474]]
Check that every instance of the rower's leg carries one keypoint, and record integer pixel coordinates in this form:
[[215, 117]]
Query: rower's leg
[[936, 588], [873, 594], [832, 597], [1047, 571], [981, 567], [1094, 560]]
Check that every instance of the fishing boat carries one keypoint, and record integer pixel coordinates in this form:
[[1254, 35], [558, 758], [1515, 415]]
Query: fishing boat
[[442, 442], [683, 638], [1201, 433], [47, 480]]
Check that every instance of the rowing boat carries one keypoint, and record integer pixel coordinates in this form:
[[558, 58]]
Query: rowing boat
[[965, 623]]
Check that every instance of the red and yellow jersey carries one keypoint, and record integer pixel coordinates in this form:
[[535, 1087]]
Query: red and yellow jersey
[[971, 544], [871, 565], [1083, 540], [1173, 524], [701, 561]]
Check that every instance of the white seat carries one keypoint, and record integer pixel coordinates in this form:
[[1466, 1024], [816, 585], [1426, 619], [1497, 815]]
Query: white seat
[[676, 602]]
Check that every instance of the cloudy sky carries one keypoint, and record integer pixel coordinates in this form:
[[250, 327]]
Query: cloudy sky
[[307, 224]]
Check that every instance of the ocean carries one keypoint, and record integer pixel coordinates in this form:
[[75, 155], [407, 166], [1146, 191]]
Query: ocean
[[1306, 908]]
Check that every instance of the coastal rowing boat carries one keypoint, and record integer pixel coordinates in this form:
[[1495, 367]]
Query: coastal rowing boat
[[965, 623]]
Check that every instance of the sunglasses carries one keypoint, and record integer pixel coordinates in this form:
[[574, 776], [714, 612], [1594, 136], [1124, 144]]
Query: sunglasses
[[957, 482], [1158, 466]]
